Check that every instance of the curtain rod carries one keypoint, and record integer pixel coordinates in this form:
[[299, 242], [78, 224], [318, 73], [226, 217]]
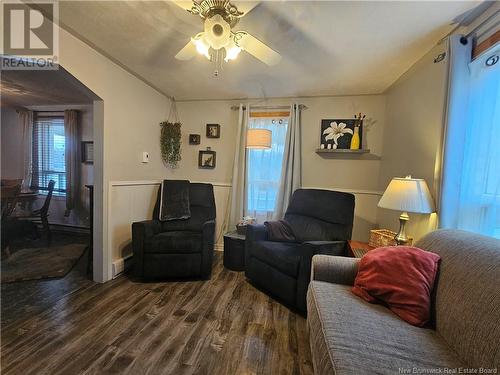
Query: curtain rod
[[19, 110], [236, 107], [471, 32], [484, 22]]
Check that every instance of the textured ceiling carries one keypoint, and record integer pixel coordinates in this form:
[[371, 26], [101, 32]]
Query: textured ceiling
[[328, 48], [23, 88]]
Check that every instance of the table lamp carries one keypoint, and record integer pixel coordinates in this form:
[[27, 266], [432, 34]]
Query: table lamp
[[259, 139], [407, 195]]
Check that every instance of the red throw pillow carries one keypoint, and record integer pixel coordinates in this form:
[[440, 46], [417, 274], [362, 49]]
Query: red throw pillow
[[401, 277]]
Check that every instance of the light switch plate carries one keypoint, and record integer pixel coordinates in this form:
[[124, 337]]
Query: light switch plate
[[145, 157]]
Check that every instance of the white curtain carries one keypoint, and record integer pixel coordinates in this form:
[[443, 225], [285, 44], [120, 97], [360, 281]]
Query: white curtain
[[479, 198], [291, 171], [264, 169], [237, 200], [26, 122], [71, 159], [459, 55]]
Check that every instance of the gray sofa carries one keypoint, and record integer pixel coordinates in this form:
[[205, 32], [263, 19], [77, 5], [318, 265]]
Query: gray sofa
[[351, 336]]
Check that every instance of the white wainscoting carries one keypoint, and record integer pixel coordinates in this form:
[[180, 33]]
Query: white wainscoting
[[131, 201]]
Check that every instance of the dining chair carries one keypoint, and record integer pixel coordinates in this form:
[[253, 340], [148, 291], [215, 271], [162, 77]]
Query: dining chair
[[41, 215]]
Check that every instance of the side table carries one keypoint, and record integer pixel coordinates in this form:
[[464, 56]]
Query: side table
[[234, 251], [357, 249]]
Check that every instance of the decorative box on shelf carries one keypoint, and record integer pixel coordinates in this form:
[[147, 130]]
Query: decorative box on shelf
[[384, 237]]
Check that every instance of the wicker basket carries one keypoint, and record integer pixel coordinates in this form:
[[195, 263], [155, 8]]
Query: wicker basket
[[384, 237]]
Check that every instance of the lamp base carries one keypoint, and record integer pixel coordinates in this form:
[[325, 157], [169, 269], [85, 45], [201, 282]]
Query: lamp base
[[401, 238]]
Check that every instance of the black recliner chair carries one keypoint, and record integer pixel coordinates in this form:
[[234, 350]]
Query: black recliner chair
[[177, 248], [322, 222]]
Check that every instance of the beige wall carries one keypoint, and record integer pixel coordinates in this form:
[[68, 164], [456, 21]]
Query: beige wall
[[358, 175], [125, 123], [11, 144], [415, 117]]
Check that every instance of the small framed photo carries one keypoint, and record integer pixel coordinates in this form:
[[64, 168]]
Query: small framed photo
[[213, 131], [194, 139], [88, 152], [206, 159]]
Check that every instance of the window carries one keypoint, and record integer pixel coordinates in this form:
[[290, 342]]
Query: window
[[48, 154], [479, 200], [264, 169]]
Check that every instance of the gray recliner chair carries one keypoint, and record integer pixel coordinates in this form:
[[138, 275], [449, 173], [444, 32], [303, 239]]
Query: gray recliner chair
[[177, 248], [322, 222]]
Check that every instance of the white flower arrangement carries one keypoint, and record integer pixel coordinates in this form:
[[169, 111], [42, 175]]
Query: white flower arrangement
[[336, 131]]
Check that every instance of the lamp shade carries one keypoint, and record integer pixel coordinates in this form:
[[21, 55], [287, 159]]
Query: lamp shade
[[407, 195], [259, 138]]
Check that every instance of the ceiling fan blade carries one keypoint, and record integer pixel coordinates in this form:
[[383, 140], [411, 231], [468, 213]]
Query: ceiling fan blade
[[257, 48], [246, 6], [187, 52], [184, 4]]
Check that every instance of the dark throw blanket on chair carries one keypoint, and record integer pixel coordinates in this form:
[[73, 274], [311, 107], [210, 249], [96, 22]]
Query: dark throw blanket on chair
[[174, 200], [280, 231]]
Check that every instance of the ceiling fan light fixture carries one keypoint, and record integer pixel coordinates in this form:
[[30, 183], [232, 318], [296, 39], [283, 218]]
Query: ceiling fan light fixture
[[218, 42], [217, 32], [201, 46], [232, 51]]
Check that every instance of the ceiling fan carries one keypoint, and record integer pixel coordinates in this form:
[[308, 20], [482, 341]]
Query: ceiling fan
[[218, 42]]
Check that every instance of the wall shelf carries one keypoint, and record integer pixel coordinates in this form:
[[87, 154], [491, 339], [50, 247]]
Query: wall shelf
[[341, 151], [363, 154]]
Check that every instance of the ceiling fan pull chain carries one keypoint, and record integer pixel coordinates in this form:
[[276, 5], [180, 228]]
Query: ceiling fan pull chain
[[218, 57]]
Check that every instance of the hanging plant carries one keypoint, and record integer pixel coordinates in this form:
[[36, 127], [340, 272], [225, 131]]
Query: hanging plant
[[170, 142]]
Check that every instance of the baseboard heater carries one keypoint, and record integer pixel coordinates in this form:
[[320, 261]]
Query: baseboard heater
[[121, 265]]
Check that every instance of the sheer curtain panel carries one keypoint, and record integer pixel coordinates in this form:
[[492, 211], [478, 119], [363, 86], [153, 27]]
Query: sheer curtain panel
[[236, 201], [291, 171], [71, 159], [479, 199], [264, 169], [26, 122]]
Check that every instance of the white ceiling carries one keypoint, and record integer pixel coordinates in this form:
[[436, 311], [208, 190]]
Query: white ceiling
[[23, 88], [328, 47]]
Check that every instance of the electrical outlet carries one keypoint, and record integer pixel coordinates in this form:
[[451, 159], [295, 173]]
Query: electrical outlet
[[145, 157]]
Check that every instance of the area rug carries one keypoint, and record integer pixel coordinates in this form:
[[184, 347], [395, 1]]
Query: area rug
[[41, 263]]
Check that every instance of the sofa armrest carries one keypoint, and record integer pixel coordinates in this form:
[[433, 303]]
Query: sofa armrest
[[208, 230], [334, 269], [256, 233], [141, 232], [207, 254]]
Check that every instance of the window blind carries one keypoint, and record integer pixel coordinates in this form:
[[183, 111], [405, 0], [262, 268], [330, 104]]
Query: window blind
[[49, 154]]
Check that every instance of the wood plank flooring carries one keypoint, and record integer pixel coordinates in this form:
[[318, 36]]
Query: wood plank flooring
[[220, 326], [20, 300]]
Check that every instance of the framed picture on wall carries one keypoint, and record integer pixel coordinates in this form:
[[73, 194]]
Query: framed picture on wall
[[88, 152], [213, 131], [206, 159], [194, 139], [337, 133]]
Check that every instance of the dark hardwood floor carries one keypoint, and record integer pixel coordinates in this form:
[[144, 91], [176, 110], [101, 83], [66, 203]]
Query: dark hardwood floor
[[220, 326], [20, 300]]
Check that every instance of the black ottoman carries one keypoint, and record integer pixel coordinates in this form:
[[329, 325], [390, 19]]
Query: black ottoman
[[234, 251]]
